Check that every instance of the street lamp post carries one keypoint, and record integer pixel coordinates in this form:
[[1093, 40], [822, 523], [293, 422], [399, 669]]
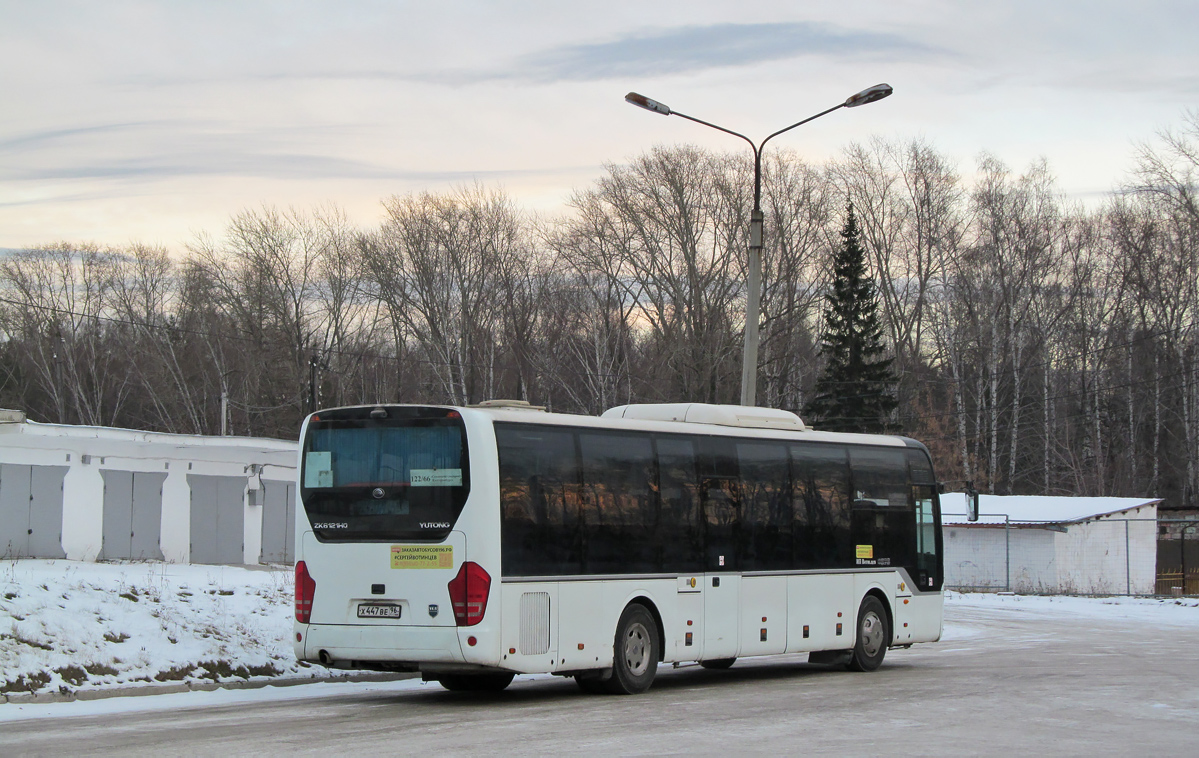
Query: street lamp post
[[753, 296]]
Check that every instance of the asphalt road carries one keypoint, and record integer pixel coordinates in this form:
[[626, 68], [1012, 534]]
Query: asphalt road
[[1004, 682]]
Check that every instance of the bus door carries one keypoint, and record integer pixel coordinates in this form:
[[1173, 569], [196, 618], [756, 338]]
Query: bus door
[[682, 542], [719, 489], [721, 615]]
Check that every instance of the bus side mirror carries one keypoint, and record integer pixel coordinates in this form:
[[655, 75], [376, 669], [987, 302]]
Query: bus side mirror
[[971, 502]]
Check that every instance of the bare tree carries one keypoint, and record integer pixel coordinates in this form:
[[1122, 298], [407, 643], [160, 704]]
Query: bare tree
[[144, 291], [438, 265], [263, 276], [56, 300], [673, 246]]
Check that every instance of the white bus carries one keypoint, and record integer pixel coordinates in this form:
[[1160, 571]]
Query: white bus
[[474, 543]]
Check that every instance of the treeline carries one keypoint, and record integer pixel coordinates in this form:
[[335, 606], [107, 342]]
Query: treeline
[[1041, 347]]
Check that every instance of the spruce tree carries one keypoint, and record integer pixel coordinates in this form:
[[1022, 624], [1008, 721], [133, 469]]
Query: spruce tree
[[855, 392]]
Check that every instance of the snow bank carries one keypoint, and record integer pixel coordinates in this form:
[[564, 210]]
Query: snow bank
[[67, 626], [1155, 610], [203, 699]]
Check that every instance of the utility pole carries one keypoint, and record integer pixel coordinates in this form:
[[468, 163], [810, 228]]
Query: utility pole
[[314, 362], [60, 346]]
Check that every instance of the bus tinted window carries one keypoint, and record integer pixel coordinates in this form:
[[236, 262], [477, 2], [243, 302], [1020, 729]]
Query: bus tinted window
[[766, 521], [720, 497], [540, 501], [821, 501], [884, 530], [920, 466], [682, 544], [620, 505], [357, 456], [367, 479], [600, 502]]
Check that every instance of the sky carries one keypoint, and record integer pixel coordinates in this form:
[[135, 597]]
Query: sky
[[153, 122]]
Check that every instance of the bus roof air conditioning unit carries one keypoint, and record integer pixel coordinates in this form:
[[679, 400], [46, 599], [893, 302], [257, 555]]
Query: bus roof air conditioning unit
[[705, 413], [519, 405]]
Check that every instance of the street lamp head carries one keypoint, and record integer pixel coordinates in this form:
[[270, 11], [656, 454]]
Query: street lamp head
[[641, 101], [877, 92]]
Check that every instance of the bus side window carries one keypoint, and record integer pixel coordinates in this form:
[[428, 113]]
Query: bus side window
[[539, 501], [820, 494], [620, 506], [720, 498], [682, 543], [765, 506], [883, 525]]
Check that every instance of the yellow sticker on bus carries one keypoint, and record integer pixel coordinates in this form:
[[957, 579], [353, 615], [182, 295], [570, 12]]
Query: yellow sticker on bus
[[422, 556], [863, 551]]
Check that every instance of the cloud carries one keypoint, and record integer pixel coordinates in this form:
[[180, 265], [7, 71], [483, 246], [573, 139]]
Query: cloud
[[1126, 81], [73, 197], [153, 151], [675, 50], [233, 163], [40, 138], [697, 48]]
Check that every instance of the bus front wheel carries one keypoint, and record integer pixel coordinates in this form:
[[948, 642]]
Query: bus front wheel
[[873, 636], [634, 652]]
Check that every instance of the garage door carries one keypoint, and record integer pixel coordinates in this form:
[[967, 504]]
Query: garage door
[[132, 514], [31, 511], [217, 518], [278, 522]]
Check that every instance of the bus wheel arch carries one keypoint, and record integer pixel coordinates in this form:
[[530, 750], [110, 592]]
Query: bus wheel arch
[[882, 598], [660, 627]]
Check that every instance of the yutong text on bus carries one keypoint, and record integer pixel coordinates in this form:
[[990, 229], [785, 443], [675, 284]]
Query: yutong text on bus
[[472, 544]]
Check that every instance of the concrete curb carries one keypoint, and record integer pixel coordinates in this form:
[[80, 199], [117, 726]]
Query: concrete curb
[[157, 688]]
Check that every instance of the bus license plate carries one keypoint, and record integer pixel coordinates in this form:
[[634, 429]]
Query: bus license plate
[[378, 611]]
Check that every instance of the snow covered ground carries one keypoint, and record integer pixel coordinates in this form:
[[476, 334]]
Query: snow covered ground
[[1157, 610], [67, 626], [70, 628]]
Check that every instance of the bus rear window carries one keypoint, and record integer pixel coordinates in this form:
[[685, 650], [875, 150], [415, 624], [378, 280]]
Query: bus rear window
[[384, 479]]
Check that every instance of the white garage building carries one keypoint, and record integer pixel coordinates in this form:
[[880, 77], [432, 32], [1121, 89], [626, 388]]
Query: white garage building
[[96, 493], [1058, 545]]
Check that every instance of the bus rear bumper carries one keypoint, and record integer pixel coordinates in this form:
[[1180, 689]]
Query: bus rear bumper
[[400, 648]]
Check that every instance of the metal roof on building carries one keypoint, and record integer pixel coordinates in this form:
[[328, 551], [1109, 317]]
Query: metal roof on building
[[1036, 509]]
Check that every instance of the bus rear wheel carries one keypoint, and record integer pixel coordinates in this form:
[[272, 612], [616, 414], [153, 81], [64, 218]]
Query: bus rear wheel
[[718, 663], [634, 652], [873, 636], [475, 682]]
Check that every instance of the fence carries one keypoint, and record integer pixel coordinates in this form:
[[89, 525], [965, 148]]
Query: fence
[[1178, 557], [1103, 556]]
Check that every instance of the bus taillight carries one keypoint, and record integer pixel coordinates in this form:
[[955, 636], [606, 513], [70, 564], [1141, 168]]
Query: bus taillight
[[305, 590], [468, 594]]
